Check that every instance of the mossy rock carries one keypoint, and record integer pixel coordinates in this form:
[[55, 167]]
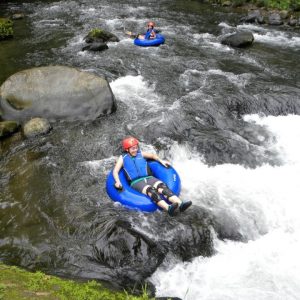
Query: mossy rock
[[100, 35], [7, 128], [36, 127], [239, 39], [6, 28]]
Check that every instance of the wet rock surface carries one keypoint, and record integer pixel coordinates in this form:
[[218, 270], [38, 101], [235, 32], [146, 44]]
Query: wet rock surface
[[239, 39], [56, 93], [36, 127], [95, 46], [97, 40]]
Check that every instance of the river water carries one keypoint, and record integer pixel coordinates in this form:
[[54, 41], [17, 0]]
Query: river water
[[226, 118]]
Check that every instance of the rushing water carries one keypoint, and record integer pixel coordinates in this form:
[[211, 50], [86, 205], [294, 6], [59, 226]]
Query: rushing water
[[226, 118]]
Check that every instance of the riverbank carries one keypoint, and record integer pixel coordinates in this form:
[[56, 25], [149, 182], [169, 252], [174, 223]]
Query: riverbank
[[266, 12], [16, 283], [292, 5]]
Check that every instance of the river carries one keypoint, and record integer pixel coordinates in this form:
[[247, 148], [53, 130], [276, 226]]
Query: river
[[228, 120]]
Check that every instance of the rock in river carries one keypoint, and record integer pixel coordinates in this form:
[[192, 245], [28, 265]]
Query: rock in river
[[7, 128], [239, 39], [56, 92], [36, 126]]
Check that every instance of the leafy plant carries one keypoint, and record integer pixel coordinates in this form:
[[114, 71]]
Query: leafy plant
[[6, 30]]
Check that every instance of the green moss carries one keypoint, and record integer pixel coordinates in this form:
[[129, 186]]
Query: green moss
[[97, 33], [7, 128], [16, 283], [6, 28], [17, 103]]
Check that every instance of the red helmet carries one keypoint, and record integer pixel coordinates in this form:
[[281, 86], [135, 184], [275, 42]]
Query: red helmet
[[129, 142], [151, 24]]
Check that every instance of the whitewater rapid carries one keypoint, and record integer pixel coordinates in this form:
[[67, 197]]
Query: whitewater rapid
[[265, 203]]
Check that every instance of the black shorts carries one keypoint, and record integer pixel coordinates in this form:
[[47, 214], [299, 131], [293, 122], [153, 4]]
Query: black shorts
[[139, 186]]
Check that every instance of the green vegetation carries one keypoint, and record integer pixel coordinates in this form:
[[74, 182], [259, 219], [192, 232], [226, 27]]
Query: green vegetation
[[7, 128], [17, 284], [279, 4], [95, 32], [6, 30], [293, 5]]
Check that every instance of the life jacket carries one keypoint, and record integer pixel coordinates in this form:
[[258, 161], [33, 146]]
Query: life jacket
[[135, 166], [148, 33]]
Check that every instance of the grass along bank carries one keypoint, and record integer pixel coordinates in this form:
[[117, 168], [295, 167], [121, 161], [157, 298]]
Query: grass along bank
[[16, 284]]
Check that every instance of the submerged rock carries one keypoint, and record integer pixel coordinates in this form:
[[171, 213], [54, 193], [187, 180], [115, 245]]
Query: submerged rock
[[239, 39], [122, 250], [7, 128], [18, 16], [95, 47], [36, 126], [56, 92]]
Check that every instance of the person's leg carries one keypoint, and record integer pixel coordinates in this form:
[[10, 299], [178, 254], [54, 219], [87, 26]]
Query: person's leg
[[134, 35], [163, 189], [154, 195], [146, 188]]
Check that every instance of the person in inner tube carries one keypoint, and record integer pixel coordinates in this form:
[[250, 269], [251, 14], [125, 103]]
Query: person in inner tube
[[149, 35], [137, 172]]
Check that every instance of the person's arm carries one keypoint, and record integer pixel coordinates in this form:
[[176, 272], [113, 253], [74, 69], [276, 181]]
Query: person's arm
[[116, 171], [155, 157], [153, 34]]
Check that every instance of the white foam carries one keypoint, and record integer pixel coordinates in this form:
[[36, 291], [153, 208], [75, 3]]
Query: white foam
[[262, 269], [279, 39], [219, 47], [252, 27], [240, 79], [225, 25], [190, 75], [135, 92], [97, 167], [265, 204], [207, 40], [203, 36]]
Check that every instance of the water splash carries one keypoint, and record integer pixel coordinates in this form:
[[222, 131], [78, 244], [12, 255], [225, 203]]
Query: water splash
[[265, 198]]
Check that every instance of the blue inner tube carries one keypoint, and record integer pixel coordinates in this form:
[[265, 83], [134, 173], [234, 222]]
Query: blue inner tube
[[135, 200], [151, 42]]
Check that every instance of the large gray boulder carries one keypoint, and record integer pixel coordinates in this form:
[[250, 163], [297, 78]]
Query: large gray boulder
[[56, 92], [239, 39]]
